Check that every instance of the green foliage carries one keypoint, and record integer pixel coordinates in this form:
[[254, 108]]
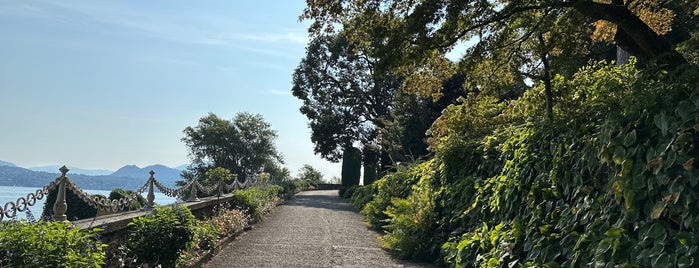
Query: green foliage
[[347, 193], [311, 175], [292, 187], [205, 236], [351, 166], [241, 145], [362, 195], [49, 244], [690, 48], [136, 204], [610, 182], [77, 208], [607, 185], [342, 98], [160, 237], [397, 185], [258, 200], [411, 224], [227, 222]]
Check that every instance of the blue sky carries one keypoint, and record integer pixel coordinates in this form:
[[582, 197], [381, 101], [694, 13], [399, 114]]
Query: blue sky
[[99, 85]]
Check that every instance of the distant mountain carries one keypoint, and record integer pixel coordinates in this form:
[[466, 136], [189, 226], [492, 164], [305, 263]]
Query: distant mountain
[[8, 164], [182, 167], [73, 170], [17, 176], [165, 175]]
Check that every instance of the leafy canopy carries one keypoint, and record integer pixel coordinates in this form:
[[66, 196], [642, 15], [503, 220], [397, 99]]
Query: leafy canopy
[[411, 38], [242, 145], [342, 97]]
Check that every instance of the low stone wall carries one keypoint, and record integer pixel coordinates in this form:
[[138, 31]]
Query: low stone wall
[[325, 186], [115, 226]]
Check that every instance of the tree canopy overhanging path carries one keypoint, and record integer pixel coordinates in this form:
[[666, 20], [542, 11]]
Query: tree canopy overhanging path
[[314, 229]]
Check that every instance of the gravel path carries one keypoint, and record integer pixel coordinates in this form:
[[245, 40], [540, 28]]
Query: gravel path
[[314, 229]]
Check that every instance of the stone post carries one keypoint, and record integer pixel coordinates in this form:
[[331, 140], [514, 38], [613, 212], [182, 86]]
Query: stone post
[[151, 195], [220, 188], [193, 194], [60, 206]]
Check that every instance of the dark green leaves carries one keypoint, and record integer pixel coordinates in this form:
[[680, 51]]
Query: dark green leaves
[[661, 121]]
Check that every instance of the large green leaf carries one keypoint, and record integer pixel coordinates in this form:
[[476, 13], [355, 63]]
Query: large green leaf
[[661, 121], [685, 261], [630, 138]]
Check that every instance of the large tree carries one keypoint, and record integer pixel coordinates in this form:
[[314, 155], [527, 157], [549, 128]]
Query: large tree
[[244, 145], [344, 101], [509, 42]]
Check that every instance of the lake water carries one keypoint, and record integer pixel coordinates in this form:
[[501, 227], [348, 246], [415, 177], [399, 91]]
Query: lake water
[[11, 193]]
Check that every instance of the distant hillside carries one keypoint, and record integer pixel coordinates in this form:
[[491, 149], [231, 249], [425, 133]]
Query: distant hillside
[[166, 175], [73, 170], [182, 167], [3, 163], [16, 176]]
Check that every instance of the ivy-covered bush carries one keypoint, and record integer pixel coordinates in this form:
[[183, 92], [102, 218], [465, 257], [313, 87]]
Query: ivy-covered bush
[[609, 182], [362, 196], [49, 244], [411, 221], [160, 237], [347, 193], [394, 185]]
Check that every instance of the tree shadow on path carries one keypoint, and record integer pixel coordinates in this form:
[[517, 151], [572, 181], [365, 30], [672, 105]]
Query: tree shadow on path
[[321, 199]]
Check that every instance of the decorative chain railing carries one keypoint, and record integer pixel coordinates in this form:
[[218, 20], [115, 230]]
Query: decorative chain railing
[[60, 207]]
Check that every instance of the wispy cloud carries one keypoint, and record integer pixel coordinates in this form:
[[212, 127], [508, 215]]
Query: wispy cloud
[[23, 9], [189, 28], [279, 92], [285, 37]]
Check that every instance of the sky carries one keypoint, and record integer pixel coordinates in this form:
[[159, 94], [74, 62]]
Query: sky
[[103, 84]]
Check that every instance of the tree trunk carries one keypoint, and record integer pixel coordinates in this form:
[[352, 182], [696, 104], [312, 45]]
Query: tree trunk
[[548, 93], [635, 36]]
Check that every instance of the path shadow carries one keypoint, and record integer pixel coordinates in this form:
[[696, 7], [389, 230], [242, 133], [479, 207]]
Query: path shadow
[[321, 200]]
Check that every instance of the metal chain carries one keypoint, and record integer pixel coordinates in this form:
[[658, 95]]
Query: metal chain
[[10, 209], [207, 190], [171, 192]]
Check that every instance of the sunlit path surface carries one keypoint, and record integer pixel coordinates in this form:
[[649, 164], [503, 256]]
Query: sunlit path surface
[[314, 229]]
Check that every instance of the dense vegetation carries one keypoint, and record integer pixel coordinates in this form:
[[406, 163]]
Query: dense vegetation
[[243, 145], [48, 244], [553, 155], [170, 236]]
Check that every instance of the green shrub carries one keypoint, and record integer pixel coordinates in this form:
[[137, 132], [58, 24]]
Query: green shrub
[[205, 236], [346, 193], [158, 238], [412, 220], [290, 188], [362, 196], [609, 182], [257, 200], [49, 244], [135, 204], [393, 185]]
